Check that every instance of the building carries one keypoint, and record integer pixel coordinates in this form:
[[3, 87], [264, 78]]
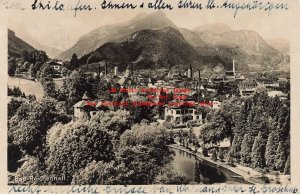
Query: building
[[182, 114], [247, 88], [56, 65], [87, 108], [267, 83], [83, 108]]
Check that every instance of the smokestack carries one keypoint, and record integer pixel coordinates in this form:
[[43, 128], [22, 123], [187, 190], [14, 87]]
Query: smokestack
[[105, 68], [199, 74], [99, 69], [233, 67], [116, 70], [191, 71], [131, 69]]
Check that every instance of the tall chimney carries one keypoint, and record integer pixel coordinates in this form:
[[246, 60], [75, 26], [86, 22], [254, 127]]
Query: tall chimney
[[233, 68], [116, 70], [131, 69], [191, 71], [199, 74], [105, 68], [99, 69]]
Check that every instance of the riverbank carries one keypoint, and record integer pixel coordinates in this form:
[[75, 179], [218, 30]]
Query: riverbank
[[232, 176], [235, 174]]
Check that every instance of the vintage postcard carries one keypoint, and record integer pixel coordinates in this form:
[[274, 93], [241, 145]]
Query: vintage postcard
[[154, 96]]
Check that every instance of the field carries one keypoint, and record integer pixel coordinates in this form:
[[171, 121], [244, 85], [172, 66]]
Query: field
[[31, 87]]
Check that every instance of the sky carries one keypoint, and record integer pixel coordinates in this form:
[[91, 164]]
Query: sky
[[62, 30]]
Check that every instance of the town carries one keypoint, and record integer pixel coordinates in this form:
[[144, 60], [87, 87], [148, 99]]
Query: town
[[146, 103]]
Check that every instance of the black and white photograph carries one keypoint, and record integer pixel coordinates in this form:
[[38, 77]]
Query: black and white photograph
[[147, 98]]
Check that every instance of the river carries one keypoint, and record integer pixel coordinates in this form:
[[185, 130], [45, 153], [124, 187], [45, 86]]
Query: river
[[208, 173]]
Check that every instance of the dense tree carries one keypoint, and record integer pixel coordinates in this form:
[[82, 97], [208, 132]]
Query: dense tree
[[280, 158], [257, 154], [28, 127], [65, 72], [221, 154], [139, 112], [45, 76], [115, 122], [257, 122], [14, 154], [218, 126], [30, 168], [151, 136], [12, 66], [241, 118], [246, 148], [70, 147], [287, 167], [13, 105], [260, 117], [74, 87], [139, 159], [234, 152], [49, 88], [283, 121], [102, 173], [45, 72], [74, 62], [36, 59], [16, 92], [271, 148], [214, 155]]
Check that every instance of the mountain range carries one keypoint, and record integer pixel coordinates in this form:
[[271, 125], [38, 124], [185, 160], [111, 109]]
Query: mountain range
[[160, 42], [16, 45], [153, 40]]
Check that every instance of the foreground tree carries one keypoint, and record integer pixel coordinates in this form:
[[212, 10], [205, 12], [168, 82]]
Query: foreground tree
[[28, 127], [257, 154], [70, 147], [246, 150], [280, 158], [271, 148], [234, 151], [101, 173], [287, 167]]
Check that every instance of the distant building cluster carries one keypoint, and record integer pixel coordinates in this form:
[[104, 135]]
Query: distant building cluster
[[202, 92]]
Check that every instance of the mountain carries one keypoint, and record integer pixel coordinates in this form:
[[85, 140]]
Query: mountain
[[203, 47], [151, 49], [280, 44], [206, 49], [245, 46], [217, 28], [116, 33], [16, 45], [51, 52]]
